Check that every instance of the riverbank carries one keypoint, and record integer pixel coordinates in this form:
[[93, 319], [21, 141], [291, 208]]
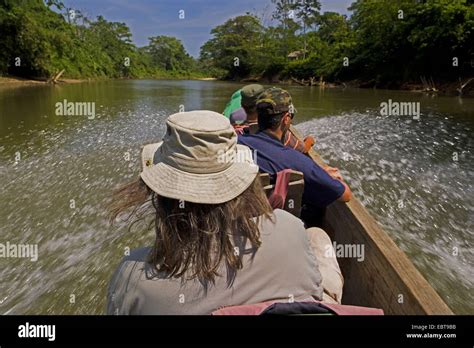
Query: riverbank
[[19, 81], [449, 88], [465, 87], [438, 88], [12, 81]]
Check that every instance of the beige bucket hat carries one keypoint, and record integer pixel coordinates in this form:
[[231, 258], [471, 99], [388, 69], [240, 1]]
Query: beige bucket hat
[[198, 160]]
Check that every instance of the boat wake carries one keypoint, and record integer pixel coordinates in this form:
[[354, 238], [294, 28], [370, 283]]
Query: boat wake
[[415, 178]]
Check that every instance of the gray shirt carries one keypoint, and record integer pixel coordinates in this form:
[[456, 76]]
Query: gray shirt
[[283, 268]]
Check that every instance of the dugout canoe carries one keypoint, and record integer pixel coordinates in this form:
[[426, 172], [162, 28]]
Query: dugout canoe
[[386, 278]]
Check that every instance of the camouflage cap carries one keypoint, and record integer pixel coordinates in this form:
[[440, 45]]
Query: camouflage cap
[[250, 94], [278, 99]]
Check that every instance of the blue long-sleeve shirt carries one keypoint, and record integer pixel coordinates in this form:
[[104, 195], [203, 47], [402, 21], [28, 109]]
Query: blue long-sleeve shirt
[[320, 189]]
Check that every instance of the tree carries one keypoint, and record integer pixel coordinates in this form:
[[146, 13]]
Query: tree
[[308, 12], [31, 32], [337, 42], [168, 53], [398, 41], [285, 13], [40, 38], [235, 46]]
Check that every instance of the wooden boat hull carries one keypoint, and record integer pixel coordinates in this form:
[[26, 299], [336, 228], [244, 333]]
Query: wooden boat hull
[[386, 278]]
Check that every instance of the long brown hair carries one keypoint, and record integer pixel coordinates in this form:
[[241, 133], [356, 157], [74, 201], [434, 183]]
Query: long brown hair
[[192, 239]]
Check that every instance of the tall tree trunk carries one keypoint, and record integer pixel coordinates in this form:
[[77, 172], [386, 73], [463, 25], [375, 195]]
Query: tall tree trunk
[[304, 38]]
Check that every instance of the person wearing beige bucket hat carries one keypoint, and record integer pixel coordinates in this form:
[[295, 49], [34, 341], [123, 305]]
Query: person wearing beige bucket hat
[[217, 241], [198, 160]]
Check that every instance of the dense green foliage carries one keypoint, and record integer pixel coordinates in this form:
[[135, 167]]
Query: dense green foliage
[[234, 48], [423, 42], [39, 38], [385, 42]]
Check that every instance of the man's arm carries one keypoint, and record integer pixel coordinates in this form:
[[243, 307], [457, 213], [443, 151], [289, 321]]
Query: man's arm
[[347, 195], [334, 173]]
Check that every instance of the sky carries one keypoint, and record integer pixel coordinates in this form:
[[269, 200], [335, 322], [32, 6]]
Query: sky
[[147, 18]]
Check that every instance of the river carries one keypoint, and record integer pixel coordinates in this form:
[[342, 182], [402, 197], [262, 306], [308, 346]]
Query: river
[[57, 174]]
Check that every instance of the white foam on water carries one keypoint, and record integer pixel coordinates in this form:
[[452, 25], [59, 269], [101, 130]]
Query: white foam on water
[[403, 172], [78, 249], [388, 159]]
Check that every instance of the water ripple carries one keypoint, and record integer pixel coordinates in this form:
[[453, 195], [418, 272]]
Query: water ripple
[[415, 178]]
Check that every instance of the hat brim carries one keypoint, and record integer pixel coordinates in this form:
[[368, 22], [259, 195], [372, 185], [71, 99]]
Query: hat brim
[[213, 188]]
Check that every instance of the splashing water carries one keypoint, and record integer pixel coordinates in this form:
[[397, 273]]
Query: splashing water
[[415, 178], [55, 196]]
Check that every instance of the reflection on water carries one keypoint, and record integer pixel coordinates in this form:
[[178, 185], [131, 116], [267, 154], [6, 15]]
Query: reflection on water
[[55, 193]]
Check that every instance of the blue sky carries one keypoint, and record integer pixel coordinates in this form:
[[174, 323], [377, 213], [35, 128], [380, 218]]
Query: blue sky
[[161, 17]]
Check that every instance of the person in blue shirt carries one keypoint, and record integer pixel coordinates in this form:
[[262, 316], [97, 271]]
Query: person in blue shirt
[[242, 113], [322, 186]]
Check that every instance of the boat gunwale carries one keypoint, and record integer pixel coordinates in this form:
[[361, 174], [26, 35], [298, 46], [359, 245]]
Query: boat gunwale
[[349, 222]]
